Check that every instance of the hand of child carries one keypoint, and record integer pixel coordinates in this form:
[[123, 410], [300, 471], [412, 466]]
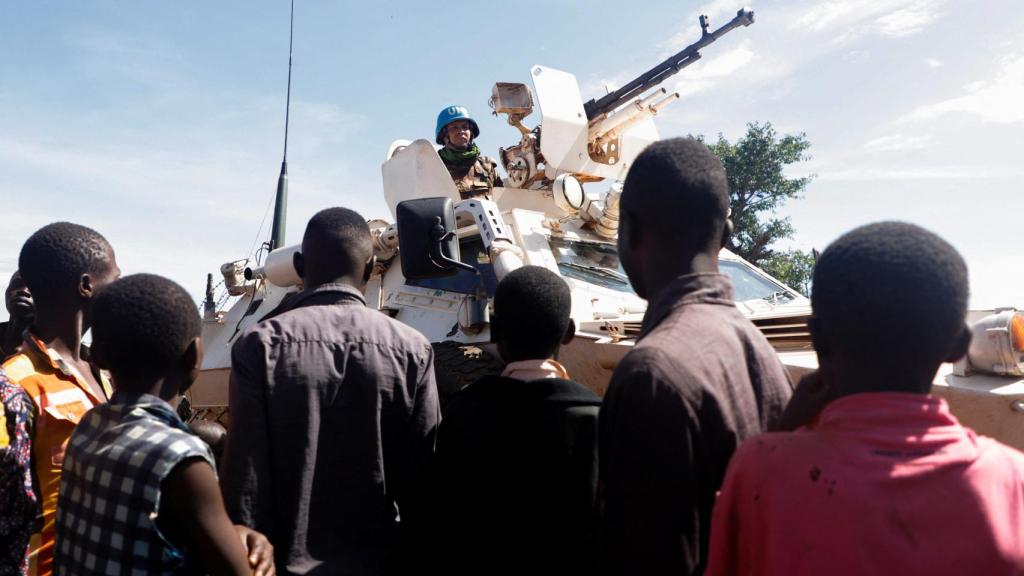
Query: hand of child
[[259, 550]]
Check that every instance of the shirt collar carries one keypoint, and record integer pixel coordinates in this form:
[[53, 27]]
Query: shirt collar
[[886, 408], [700, 288], [52, 359], [528, 370], [896, 422], [152, 405], [334, 293]]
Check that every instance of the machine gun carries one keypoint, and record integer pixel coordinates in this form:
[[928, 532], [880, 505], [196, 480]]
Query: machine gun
[[597, 139], [596, 108], [609, 119]]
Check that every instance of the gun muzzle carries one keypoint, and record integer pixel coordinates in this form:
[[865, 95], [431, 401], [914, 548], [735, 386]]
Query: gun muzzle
[[657, 106], [645, 102]]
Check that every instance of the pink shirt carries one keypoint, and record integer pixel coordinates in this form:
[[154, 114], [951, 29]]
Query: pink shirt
[[883, 483]]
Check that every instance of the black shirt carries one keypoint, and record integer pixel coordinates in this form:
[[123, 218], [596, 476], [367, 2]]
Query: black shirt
[[700, 380], [517, 472], [333, 416]]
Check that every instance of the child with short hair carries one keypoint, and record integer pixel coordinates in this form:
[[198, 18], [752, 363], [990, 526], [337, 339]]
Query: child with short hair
[[878, 477], [138, 491], [517, 453]]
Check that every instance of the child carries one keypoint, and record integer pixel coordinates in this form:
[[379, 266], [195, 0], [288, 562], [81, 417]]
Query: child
[[517, 453], [879, 478], [138, 492]]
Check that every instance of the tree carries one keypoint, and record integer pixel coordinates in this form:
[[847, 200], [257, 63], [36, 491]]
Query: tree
[[794, 267], [755, 166]]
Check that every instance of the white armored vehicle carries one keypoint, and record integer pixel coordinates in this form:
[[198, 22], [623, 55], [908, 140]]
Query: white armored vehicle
[[440, 256], [543, 216]]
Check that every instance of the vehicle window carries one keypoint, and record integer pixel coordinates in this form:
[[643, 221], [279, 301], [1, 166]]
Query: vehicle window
[[750, 285], [472, 252], [593, 262]]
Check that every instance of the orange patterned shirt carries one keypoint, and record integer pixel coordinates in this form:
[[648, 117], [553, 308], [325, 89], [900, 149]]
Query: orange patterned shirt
[[61, 396]]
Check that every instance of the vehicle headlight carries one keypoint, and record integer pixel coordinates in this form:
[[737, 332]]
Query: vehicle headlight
[[998, 344]]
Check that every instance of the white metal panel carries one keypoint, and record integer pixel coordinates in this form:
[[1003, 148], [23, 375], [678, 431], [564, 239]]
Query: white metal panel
[[564, 138], [537, 200], [416, 171], [218, 337]]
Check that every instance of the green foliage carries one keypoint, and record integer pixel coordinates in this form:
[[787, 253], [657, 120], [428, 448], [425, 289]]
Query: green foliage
[[794, 267], [755, 166]]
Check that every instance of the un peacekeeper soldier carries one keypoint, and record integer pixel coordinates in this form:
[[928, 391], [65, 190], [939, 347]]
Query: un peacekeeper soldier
[[473, 173]]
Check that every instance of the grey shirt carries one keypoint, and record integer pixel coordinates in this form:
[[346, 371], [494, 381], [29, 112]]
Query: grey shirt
[[700, 380], [333, 411]]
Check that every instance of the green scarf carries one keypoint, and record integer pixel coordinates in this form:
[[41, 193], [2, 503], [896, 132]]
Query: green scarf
[[464, 158]]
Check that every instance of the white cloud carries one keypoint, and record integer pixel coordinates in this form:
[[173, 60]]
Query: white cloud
[[180, 199], [908, 20], [997, 100], [597, 87], [933, 63], [702, 76], [848, 19], [718, 12], [858, 174], [103, 53], [894, 142]]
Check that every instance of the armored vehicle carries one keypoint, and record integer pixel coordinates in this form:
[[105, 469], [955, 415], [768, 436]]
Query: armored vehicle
[[441, 256]]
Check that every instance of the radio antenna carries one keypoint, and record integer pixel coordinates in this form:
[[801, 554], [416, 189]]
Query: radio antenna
[[281, 200]]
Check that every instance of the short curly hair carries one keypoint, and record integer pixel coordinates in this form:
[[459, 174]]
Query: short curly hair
[[678, 188], [340, 237], [142, 324], [533, 306], [893, 294], [55, 257]]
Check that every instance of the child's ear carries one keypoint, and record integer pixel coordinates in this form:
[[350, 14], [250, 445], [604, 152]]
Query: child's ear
[[368, 270], [570, 332], [963, 343], [191, 362], [727, 231]]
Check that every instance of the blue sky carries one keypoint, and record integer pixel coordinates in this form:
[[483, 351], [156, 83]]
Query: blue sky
[[160, 123]]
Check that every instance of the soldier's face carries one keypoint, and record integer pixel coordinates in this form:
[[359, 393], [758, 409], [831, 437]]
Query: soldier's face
[[459, 134]]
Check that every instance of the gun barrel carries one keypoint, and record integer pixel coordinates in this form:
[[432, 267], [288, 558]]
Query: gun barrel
[[666, 69], [647, 100], [613, 126], [625, 117], [657, 106]]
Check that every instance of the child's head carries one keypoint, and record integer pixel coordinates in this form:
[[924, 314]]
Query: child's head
[[531, 314], [889, 302], [146, 329], [65, 265]]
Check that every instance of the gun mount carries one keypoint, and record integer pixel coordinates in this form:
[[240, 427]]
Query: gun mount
[[594, 140]]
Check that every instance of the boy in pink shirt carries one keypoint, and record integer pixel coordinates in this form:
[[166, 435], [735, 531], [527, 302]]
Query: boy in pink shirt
[[878, 477]]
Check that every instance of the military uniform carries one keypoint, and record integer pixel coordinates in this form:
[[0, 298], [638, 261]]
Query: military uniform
[[473, 173], [475, 179]]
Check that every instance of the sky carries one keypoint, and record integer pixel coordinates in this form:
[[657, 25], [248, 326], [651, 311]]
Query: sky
[[160, 124]]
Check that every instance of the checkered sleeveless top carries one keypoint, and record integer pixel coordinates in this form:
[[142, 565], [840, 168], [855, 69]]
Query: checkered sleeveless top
[[110, 488]]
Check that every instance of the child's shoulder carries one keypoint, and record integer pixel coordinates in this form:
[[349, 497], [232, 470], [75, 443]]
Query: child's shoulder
[[777, 448], [139, 436]]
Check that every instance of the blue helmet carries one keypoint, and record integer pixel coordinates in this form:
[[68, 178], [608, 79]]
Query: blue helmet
[[451, 114]]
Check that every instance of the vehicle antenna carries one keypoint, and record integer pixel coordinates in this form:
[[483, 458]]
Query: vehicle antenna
[[281, 201]]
